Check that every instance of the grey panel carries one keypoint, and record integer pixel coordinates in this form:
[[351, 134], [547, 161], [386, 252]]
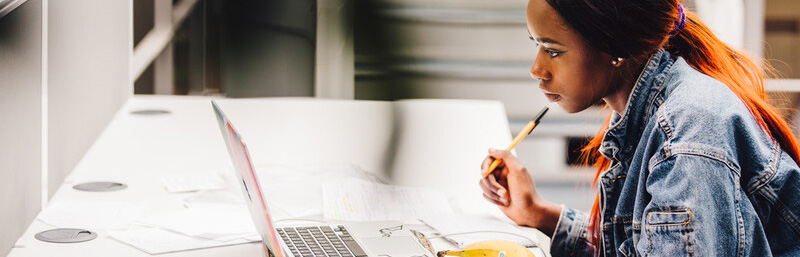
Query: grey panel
[[21, 111], [66, 235], [267, 48]]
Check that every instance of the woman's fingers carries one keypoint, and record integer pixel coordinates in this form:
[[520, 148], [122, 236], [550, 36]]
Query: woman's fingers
[[486, 162], [490, 185], [488, 188], [491, 189], [493, 199], [499, 190], [509, 160]]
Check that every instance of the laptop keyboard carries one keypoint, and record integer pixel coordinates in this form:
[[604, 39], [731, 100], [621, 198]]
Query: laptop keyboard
[[320, 241]]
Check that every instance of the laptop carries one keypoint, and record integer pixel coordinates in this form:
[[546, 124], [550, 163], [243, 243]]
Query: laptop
[[347, 239]]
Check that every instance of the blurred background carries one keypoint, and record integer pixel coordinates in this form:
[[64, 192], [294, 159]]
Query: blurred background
[[70, 64], [466, 49]]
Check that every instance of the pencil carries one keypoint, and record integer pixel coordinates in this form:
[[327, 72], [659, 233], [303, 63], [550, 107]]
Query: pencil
[[525, 131]]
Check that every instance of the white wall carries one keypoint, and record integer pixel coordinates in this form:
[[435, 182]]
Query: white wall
[[21, 129], [89, 47]]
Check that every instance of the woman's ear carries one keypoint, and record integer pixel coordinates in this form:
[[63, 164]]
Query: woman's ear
[[617, 62]]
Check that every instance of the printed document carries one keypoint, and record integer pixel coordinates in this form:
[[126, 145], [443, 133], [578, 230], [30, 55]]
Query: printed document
[[360, 200]]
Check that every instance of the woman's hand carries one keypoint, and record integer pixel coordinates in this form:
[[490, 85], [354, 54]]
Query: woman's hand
[[511, 188]]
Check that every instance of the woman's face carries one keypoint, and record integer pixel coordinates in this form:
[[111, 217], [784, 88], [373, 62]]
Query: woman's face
[[572, 72]]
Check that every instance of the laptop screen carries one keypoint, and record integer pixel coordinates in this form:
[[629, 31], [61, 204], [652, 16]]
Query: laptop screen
[[249, 182]]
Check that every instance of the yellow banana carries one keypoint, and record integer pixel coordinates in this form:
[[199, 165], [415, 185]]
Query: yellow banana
[[473, 253], [491, 248]]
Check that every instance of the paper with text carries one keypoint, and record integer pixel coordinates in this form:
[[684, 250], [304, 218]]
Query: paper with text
[[359, 200]]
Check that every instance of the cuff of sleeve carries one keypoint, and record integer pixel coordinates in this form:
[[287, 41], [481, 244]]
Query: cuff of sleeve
[[569, 236]]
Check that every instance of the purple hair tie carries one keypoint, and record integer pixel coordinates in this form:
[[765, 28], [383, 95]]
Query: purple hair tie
[[680, 23]]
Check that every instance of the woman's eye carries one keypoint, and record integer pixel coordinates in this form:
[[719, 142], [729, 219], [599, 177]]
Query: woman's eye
[[553, 54]]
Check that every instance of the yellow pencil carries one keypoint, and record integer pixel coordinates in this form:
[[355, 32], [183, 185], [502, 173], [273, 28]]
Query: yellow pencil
[[525, 131]]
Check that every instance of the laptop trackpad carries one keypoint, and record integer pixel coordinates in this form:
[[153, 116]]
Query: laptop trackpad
[[394, 246]]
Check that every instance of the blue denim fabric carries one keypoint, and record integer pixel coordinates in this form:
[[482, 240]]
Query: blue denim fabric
[[692, 173]]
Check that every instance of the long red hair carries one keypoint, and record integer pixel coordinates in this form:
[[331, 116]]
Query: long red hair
[[636, 28]]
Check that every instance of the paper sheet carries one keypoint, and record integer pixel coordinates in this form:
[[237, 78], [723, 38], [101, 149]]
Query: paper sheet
[[231, 195], [157, 241], [359, 200], [222, 224], [448, 224], [91, 214], [297, 190]]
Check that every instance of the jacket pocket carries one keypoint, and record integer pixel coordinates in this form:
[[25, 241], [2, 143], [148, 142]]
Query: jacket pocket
[[627, 249], [669, 233]]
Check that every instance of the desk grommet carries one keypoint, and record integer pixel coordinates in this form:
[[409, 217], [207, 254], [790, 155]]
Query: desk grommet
[[100, 186], [150, 112], [65, 235]]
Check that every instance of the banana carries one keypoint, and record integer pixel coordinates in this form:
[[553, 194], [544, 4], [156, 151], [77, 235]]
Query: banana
[[491, 248]]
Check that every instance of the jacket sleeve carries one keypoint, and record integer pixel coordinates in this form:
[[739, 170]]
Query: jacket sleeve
[[694, 208], [569, 237]]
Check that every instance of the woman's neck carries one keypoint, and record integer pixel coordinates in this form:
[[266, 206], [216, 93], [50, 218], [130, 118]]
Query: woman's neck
[[618, 100]]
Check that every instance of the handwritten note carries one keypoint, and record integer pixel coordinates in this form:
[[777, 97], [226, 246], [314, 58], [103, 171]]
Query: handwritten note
[[359, 200]]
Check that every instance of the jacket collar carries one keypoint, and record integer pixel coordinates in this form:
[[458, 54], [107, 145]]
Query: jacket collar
[[624, 131]]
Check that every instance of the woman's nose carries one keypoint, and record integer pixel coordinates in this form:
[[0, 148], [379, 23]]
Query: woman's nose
[[538, 71]]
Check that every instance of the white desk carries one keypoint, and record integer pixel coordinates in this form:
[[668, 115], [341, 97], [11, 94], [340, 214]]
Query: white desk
[[134, 150]]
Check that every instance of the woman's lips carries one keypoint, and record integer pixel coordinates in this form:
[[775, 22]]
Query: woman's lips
[[552, 97]]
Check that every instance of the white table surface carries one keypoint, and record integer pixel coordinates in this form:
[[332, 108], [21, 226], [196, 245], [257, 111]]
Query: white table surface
[[139, 149]]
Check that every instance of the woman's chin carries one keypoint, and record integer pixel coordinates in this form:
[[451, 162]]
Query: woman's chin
[[569, 108]]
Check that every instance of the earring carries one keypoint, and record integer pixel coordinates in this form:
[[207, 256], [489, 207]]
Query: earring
[[615, 62]]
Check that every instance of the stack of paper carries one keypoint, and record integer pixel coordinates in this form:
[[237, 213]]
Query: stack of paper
[[217, 214], [158, 241], [219, 217], [359, 200], [201, 226], [464, 229], [208, 223]]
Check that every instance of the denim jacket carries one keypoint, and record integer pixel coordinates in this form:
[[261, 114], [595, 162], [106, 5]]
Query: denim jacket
[[692, 173]]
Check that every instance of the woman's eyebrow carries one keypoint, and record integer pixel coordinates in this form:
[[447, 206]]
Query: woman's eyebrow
[[546, 40]]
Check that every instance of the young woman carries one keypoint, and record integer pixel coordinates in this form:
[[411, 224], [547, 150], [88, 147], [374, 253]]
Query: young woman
[[692, 161]]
